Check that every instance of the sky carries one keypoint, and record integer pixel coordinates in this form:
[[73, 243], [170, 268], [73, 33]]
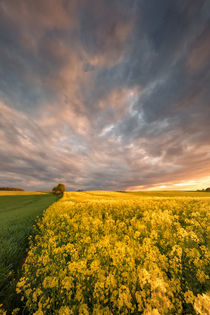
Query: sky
[[105, 94]]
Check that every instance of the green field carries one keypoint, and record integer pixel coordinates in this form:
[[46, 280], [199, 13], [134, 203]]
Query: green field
[[18, 211]]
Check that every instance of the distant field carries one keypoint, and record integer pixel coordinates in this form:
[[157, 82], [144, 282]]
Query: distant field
[[101, 252], [20, 193], [173, 193], [18, 210], [85, 196]]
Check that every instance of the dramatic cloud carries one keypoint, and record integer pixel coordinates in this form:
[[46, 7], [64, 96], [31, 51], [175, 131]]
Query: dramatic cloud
[[105, 94]]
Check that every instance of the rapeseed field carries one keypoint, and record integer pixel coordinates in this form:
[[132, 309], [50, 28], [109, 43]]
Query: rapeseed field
[[119, 253]]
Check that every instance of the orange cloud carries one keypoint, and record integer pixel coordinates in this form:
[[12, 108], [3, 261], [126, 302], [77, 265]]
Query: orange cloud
[[42, 15], [120, 101], [33, 19]]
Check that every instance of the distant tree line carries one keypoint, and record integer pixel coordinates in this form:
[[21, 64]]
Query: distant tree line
[[11, 189], [207, 189]]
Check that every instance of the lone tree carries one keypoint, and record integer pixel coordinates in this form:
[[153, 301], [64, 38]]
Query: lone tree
[[59, 189]]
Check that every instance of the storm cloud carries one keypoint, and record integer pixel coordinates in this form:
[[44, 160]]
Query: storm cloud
[[105, 94]]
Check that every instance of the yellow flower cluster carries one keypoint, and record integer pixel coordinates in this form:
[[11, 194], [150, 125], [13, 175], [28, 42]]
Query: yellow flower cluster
[[118, 253], [2, 311]]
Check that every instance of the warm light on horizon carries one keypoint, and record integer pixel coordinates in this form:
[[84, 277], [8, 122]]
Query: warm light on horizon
[[198, 184]]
